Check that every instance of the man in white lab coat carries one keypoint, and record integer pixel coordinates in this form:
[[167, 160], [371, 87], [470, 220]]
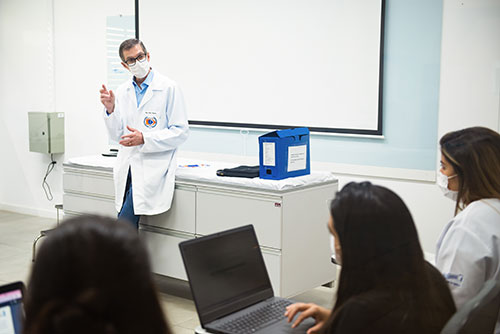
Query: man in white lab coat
[[148, 118]]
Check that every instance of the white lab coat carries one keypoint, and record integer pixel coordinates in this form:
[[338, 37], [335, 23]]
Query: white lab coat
[[468, 251], [153, 163]]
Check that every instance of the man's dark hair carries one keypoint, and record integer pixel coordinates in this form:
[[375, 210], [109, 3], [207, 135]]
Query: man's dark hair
[[129, 44]]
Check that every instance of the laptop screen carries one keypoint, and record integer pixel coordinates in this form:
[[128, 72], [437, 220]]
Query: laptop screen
[[226, 272], [11, 308]]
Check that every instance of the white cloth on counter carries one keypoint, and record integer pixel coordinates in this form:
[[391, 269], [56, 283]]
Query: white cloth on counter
[[206, 172], [93, 161]]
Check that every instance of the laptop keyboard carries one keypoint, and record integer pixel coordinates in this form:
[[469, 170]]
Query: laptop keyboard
[[255, 320]]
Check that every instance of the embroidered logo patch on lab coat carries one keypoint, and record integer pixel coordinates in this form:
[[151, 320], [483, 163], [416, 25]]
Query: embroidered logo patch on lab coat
[[454, 279], [150, 122]]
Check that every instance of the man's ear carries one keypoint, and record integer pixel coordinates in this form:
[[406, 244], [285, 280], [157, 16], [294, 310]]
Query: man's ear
[[148, 56], [125, 65]]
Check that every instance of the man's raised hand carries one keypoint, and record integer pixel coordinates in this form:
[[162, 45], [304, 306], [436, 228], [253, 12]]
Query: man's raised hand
[[107, 99]]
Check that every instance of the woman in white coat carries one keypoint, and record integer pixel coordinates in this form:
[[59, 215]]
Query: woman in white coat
[[468, 251]]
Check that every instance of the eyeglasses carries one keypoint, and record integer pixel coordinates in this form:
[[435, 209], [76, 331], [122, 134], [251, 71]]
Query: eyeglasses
[[140, 58]]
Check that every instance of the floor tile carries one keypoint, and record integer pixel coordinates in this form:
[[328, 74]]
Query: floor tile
[[181, 330], [190, 324]]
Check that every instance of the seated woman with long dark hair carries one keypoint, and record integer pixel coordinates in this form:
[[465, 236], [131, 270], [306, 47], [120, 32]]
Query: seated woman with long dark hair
[[468, 251], [385, 284], [92, 275]]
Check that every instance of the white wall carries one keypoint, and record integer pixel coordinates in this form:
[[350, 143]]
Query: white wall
[[79, 48], [23, 87], [470, 65], [429, 208], [468, 94], [469, 87]]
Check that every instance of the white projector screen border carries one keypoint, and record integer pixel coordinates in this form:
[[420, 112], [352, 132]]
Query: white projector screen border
[[178, 71]]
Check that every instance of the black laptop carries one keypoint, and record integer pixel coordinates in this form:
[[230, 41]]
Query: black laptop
[[230, 285], [11, 308]]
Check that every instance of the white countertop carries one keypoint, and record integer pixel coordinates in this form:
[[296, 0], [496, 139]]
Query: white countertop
[[205, 171]]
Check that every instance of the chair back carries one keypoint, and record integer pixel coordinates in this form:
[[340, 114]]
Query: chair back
[[479, 314]]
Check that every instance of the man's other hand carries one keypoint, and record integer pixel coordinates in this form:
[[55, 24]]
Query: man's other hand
[[132, 139]]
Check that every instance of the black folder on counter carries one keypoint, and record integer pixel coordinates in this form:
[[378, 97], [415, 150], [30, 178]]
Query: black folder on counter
[[240, 171]]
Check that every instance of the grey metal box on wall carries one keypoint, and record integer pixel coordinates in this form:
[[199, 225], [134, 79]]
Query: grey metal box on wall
[[46, 131]]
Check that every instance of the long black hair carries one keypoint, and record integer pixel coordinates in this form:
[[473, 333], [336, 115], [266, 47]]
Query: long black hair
[[474, 154], [381, 251], [92, 275]]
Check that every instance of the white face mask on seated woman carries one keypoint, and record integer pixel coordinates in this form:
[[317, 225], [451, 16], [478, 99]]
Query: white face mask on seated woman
[[332, 248], [442, 182]]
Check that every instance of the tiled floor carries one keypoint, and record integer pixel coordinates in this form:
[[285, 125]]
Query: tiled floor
[[18, 231]]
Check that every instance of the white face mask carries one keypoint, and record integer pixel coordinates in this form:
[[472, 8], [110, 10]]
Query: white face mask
[[139, 69], [332, 248], [442, 182]]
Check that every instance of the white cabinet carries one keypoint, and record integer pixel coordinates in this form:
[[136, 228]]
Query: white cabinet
[[163, 247], [221, 210], [182, 214], [88, 190], [79, 203], [96, 184], [290, 224], [272, 260]]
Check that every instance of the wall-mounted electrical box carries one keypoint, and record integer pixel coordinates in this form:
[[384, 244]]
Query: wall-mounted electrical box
[[46, 132]]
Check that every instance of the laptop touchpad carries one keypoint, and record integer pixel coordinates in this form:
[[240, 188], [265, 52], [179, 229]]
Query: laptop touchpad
[[284, 327]]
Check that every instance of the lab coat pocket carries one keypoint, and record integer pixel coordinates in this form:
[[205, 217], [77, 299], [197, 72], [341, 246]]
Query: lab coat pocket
[[156, 164]]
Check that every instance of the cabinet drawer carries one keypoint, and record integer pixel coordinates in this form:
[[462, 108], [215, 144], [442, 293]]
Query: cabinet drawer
[[93, 185], [273, 266], [216, 212], [181, 215], [84, 204], [164, 253]]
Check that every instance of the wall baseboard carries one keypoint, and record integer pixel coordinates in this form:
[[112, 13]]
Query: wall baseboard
[[29, 211]]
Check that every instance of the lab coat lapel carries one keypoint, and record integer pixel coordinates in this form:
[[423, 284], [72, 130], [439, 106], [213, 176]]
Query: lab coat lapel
[[131, 95], [155, 85], [147, 96]]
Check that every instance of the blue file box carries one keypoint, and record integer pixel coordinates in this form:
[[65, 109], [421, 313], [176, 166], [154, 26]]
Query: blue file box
[[284, 153]]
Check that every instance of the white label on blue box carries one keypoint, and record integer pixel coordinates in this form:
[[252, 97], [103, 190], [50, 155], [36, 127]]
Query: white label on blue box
[[297, 158], [269, 154]]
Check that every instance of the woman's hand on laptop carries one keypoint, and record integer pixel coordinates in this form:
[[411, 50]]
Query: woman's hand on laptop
[[320, 314]]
